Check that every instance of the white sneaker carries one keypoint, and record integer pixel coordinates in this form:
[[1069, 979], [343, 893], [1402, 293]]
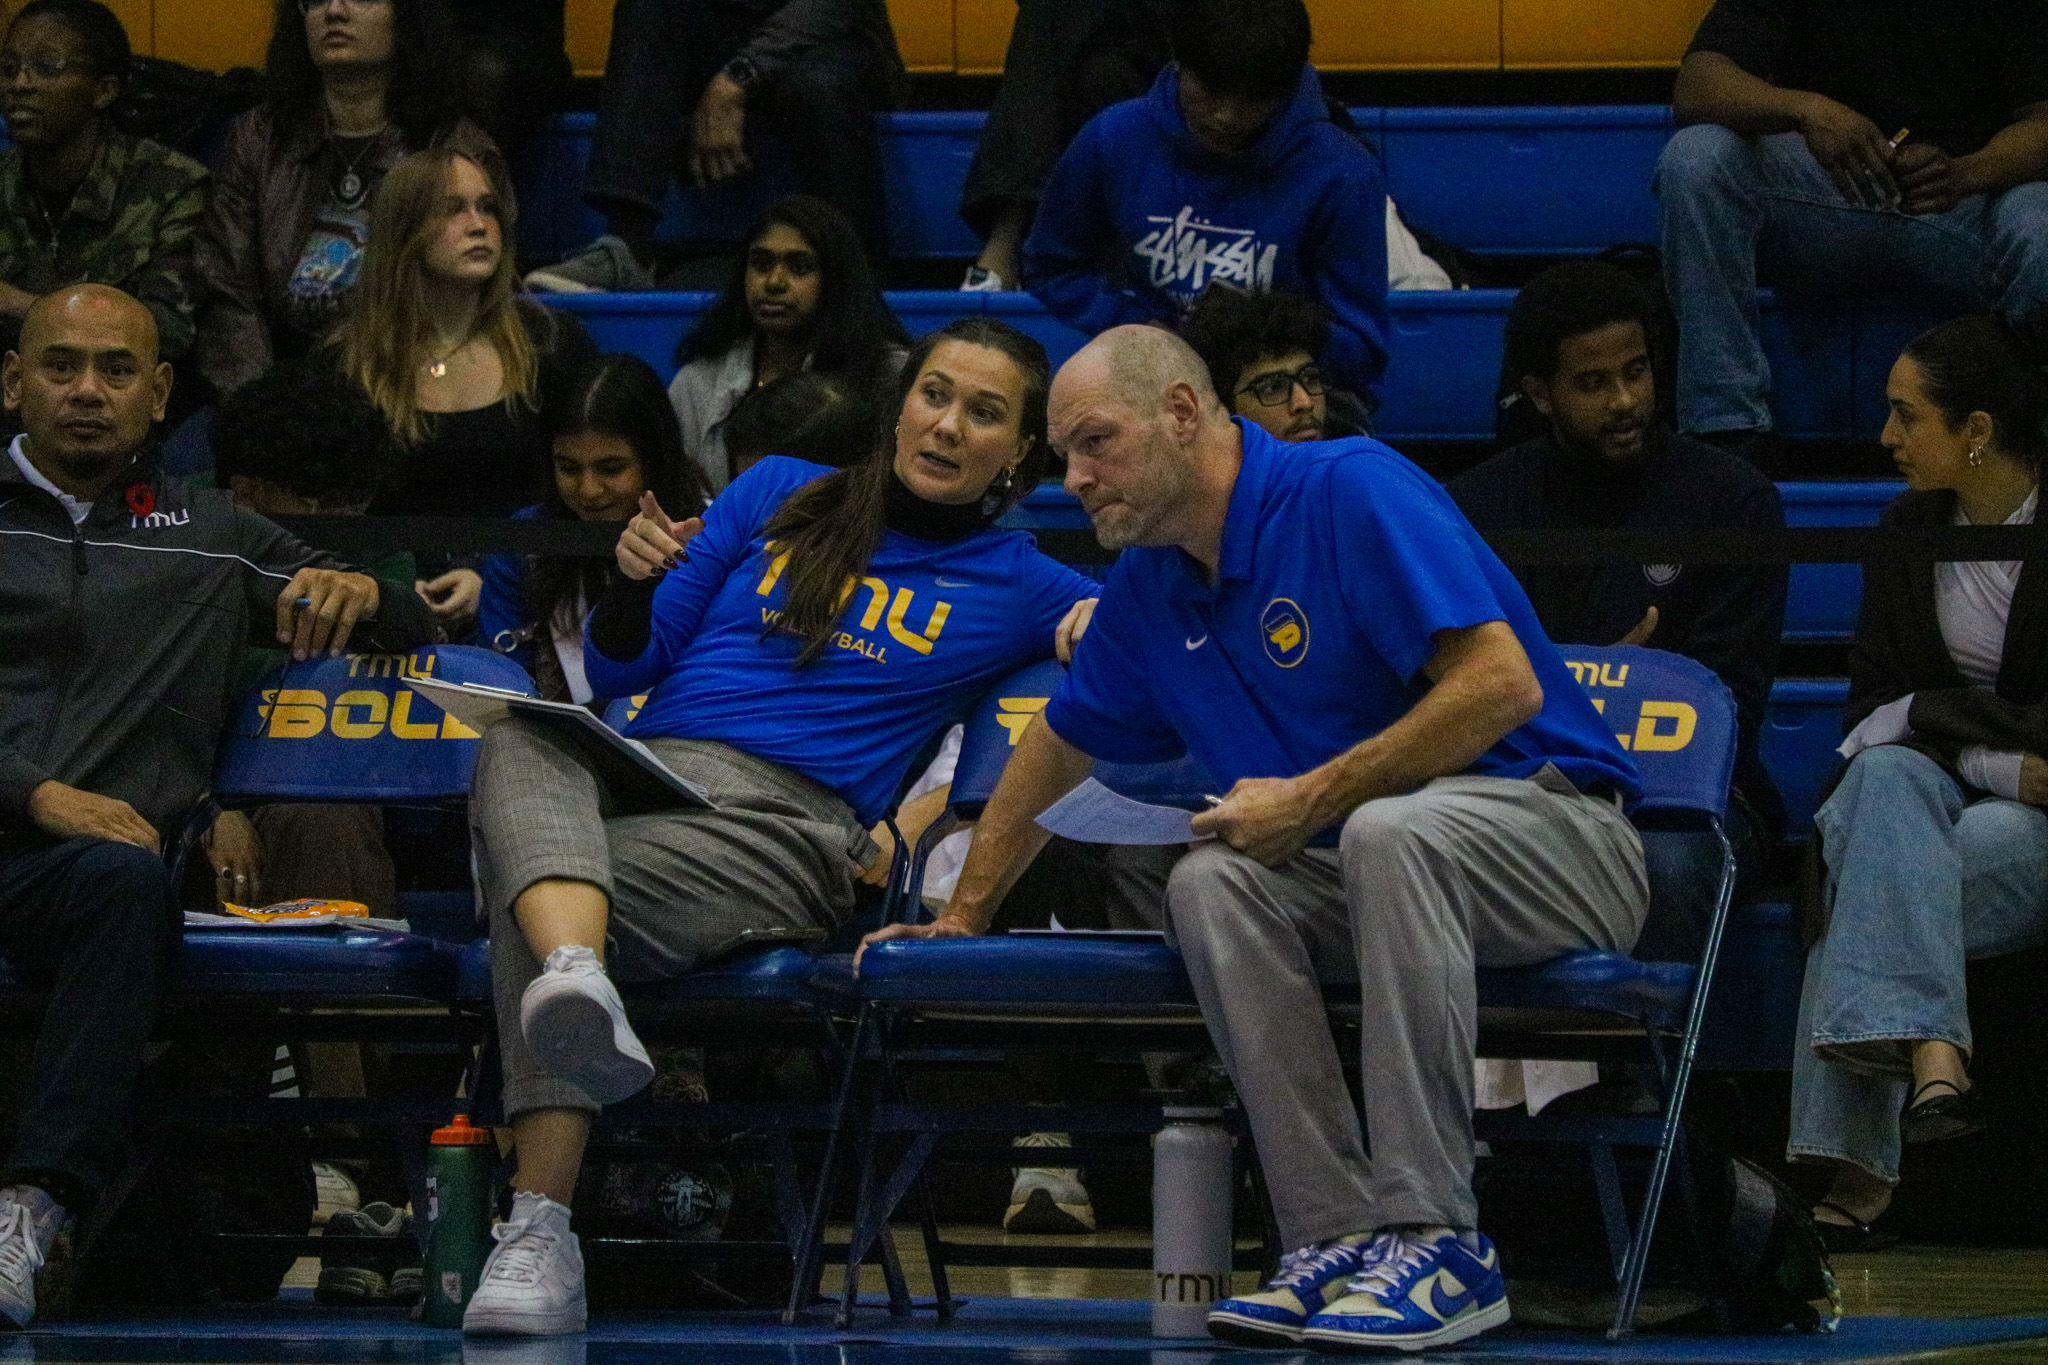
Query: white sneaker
[[334, 1191], [1048, 1199], [532, 1284], [575, 1024], [29, 1221], [982, 281]]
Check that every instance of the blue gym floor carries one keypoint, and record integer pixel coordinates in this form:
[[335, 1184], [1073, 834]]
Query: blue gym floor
[[986, 1332]]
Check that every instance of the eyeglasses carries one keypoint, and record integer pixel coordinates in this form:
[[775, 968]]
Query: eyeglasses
[[316, 6], [42, 68], [1274, 389]]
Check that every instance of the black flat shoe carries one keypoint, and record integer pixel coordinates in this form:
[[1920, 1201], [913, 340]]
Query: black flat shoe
[[1953, 1113], [1857, 1236]]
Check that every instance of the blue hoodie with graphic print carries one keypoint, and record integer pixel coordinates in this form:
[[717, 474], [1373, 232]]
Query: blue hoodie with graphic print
[[1139, 218]]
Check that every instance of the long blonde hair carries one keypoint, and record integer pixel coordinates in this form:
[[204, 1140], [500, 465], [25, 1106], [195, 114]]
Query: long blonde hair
[[387, 338]]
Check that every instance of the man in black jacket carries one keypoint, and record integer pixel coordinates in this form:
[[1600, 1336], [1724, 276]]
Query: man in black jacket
[[1579, 351], [125, 600]]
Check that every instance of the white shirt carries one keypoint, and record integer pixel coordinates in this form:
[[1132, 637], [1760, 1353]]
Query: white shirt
[[1972, 601], [77, 509]]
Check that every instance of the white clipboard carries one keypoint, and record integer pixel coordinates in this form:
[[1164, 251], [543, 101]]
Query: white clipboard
[[628, 765]]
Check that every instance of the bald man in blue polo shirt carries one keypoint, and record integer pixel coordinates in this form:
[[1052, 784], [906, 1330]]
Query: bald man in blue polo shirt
[[1416, 788]]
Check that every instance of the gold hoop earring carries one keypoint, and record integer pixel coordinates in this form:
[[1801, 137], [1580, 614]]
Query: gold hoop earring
[[1976, 457]]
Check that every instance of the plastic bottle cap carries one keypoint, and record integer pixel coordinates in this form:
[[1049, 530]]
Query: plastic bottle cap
[[460, 1134]]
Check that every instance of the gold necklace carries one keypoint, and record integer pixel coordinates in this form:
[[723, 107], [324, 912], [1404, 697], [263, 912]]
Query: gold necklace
[[439, 368]]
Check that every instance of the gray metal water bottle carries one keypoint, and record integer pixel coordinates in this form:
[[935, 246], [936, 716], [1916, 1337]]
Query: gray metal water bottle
[[1191, 1242]]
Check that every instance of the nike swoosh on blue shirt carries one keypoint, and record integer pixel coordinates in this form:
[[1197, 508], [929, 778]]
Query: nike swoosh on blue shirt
[[1197, 644], [950, 583]]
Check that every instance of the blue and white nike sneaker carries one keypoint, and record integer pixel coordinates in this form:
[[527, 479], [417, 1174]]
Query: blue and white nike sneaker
[[1276, 1316], [1415, 1290]]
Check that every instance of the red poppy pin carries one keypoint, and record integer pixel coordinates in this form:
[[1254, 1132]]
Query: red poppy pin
[[141, 499]]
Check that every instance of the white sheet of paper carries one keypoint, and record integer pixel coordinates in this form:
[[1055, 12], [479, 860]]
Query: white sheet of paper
[[1093, 814], [1886, 725]]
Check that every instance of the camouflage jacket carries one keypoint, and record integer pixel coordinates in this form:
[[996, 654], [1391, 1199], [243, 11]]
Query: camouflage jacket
[[132, 224]]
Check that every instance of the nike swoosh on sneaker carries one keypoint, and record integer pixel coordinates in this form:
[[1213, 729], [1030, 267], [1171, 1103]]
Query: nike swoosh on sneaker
[[1197, 644], [1444, 1305]]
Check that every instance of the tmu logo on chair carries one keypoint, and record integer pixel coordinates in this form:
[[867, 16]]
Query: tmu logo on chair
[[1661, 726], [362, 712]]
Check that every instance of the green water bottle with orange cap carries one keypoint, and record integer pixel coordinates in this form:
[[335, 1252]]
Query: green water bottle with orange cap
[[461, 1162]]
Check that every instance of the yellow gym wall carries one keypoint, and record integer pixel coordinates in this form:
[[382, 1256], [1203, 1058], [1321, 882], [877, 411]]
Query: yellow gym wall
[[968, 36]]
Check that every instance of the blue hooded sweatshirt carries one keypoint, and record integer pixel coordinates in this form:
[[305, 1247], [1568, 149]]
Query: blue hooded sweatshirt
[[1303, 211]]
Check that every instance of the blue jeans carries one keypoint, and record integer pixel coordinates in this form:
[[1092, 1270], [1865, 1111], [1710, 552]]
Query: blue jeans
[[1922, 878], [1738, 209]]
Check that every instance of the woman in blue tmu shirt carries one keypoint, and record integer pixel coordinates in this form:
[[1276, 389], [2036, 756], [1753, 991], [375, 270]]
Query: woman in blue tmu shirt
[[795, 656]]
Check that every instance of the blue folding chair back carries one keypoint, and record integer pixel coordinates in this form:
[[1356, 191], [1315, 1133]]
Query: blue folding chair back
[[349, 729], [1674, 716], [1677, 720]]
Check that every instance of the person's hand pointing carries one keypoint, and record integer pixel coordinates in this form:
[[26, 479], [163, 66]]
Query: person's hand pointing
[[653, 542]]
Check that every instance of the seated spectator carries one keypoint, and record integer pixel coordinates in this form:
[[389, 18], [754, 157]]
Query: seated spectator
[[1581, 346], [1260, 351], [108, 715], [802, 734], [615, 441], [465, 372], [1229, 172], [823, 418], [515, 69], [801, 296], [1416, 787], [679, 83], [1933, 848], [1840, 147], [1067, 61], [350, 89], [303, 441], [79, 199]]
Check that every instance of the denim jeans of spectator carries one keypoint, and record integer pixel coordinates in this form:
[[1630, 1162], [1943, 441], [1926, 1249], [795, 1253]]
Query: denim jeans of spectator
[[1739, 211], [93, 923], [1923, 874], [821, 109]]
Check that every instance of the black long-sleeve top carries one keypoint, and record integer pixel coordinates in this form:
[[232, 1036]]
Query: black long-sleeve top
[[1727, 617]]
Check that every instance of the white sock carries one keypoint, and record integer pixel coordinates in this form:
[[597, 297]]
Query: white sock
[[570, 956], [528, 1207]]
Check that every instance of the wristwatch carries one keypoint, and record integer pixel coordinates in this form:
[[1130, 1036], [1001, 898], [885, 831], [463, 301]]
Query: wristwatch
[[742, 72]]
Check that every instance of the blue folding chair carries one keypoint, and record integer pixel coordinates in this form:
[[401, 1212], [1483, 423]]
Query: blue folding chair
[[1677, 719], [953, 999], [332, 730]]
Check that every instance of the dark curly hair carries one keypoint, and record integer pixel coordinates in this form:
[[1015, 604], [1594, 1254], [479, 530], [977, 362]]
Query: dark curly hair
[[307, 428], [421, 99], [854, 330], [1563, 302], [1232, 331], [101, 38]]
